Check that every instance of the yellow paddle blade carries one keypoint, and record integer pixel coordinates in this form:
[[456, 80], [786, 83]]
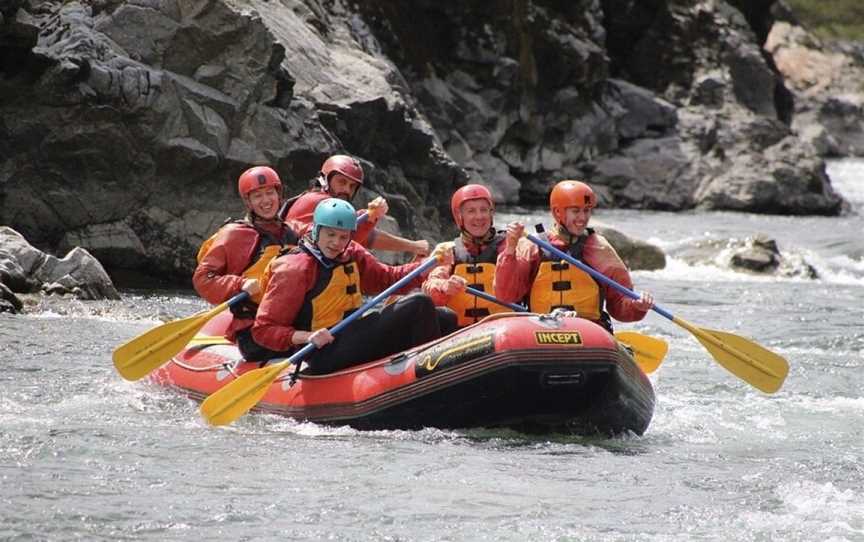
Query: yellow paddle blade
[[647, 350], [152, 349], [238, 397], [756, 365]]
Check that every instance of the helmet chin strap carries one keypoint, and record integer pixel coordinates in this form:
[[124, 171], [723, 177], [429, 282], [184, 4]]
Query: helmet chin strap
[[562, 232], [484, 239]]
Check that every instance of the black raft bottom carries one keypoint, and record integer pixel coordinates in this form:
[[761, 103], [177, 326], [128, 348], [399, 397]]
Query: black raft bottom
[[605, 397]]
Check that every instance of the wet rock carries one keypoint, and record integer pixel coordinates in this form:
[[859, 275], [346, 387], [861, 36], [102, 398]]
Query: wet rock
[[9, 302], [77, 273], [637, 254], [13, 275], [145, 113], [133, 120], [828, 83], [761, 255]]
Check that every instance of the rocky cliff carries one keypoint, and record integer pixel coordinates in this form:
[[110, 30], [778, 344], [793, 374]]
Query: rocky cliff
[[124, 125]]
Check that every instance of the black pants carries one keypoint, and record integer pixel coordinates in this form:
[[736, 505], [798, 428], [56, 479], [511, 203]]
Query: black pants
[[447, 320], [410, 321]]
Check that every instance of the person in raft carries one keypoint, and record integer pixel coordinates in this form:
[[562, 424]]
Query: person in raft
[[233, 259], [341, 177], [317, 284], [524, 270], [475, 253]]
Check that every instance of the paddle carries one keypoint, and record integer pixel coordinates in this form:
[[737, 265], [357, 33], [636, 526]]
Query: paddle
[[152, 349], [483, 295], [237, 398], [647, 351], [756, 365]]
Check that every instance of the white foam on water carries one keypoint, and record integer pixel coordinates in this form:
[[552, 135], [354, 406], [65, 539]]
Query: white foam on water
[[54, 315], [847, 178], [685, 419], [677, 269], [308, 429], [834, 405], [840, 269], [835, 270], [842, 357], [153, 310], [820, 510]]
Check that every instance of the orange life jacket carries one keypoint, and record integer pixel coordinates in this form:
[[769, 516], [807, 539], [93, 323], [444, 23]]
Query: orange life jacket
[[559, 284], [479, 271]]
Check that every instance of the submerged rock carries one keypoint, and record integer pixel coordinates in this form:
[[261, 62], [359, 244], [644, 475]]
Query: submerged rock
[[758, 254], [637, 254]]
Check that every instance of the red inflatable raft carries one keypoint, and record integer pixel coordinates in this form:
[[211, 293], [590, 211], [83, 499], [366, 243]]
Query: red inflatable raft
[[522, 371]]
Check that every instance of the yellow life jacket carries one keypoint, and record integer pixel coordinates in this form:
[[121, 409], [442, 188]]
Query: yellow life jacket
[[335, 294], [267, 247], [561, 285], [479, 271]]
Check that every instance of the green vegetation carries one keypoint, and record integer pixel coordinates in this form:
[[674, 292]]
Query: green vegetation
[[831, 19]]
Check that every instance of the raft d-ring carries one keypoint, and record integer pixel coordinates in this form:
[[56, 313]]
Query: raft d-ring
[[289, 380], [548, 318], [228, 369], [554, 316]]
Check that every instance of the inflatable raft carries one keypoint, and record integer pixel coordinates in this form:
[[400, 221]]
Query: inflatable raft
[[523, 371]]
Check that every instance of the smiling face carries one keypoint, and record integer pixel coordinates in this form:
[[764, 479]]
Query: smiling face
[[264, 202], [333, 241], [575, 219], [476, 217], [342, 187]]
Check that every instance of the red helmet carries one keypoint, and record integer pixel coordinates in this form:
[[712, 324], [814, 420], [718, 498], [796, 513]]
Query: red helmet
[[571, 194], [467, 193], [346, 165], [258, 177]]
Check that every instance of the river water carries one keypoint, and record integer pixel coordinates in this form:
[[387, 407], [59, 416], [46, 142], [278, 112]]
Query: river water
[[86, 455]]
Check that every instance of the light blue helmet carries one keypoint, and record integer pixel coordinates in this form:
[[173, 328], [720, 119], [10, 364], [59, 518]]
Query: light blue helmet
[[333, 213]]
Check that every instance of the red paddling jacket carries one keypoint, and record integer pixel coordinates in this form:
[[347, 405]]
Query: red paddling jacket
[[238, 251], [547, 282], [307, 291], [303, 208]]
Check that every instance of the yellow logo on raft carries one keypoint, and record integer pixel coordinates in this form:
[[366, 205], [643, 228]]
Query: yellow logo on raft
[[558, 337], [452, 354]]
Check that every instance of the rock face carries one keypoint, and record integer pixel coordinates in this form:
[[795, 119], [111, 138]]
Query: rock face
[[134, 119], [124, 124], [25, 269], [828, 84]]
